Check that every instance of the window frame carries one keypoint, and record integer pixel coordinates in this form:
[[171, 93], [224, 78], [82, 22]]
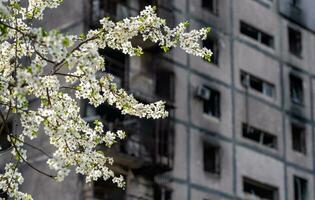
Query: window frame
[[267, 88], [262, 136], [212, 43], [302, 185], [171, 76], [212, 7], [302, 137], [296, 98], [213, 168], [245, 28], [297, 48], [215, 104], [258, 184]]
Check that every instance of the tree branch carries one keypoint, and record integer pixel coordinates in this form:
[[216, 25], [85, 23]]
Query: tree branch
[[29, 164]]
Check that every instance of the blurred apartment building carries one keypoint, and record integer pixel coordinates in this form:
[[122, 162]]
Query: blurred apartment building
[[241, 127]]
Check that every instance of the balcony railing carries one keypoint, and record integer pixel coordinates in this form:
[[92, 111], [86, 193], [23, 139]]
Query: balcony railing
[[149, 143]]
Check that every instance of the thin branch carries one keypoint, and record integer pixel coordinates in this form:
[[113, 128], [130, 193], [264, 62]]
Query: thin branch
[[42, 57], [62, 74], [58, 66], [48, 96], [34, 147], [29, 164], [18, 30]]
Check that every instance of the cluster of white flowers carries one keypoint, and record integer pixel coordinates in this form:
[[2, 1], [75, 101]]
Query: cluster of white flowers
[[59, 70], [10, 181]]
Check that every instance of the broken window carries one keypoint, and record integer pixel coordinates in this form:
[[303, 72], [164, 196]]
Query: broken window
[[298, 138], [107, 190], [296, 89], [254, 189], [116, 9], [3, 195], [300, 188], [5, 129], [211, 6], [212, 44], [211, 158], [257, 84], [256, 34], [164, 85], [116, 64], [295, 41], [259, 136], [164, 137], [144, 3], [295, 3], [211, 101], [162, 193]]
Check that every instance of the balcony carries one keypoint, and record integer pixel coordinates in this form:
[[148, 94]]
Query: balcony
[[149, 146]]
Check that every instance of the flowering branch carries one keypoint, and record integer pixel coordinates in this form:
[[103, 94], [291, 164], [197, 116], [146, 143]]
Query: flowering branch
[[57, 112]]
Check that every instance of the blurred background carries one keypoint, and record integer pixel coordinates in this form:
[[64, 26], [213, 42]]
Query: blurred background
[[241, 127]]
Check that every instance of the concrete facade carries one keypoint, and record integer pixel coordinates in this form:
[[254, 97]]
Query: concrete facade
[[240, 157]]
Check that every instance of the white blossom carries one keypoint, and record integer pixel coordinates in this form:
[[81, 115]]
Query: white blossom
[[57, 71]]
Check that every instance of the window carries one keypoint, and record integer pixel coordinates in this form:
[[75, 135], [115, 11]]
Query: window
[[115, 64], [296, 90], [259, 136], [211, 43], [211, 101], [211, 6], [164, 87], [300, 188], [298, 138], [295, 41], [3, 195], [257, 84], [144, 3], [4, 143], [294, 3], [162, 193], [254, 189], [256, 34], [211, 158], [116, 9], [107, 190]]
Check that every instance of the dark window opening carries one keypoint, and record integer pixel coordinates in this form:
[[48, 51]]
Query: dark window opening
[[296, 90], [144, 3], [164, 137], [295, 41], [164, 86], [162, 193], [116, 9], [211, 158], [300, 188], [5, 130], [256, 34], [298, 138], [211, 6], [116, 64], [211, 104], [294, 3], [107, 190], [256, 189], [3, 195], [212, 44], [259, 136], [257, 84]]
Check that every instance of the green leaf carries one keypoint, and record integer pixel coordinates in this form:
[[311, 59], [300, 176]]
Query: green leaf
[[165, 48], [186, 23], [3, 30], [66, 42]]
